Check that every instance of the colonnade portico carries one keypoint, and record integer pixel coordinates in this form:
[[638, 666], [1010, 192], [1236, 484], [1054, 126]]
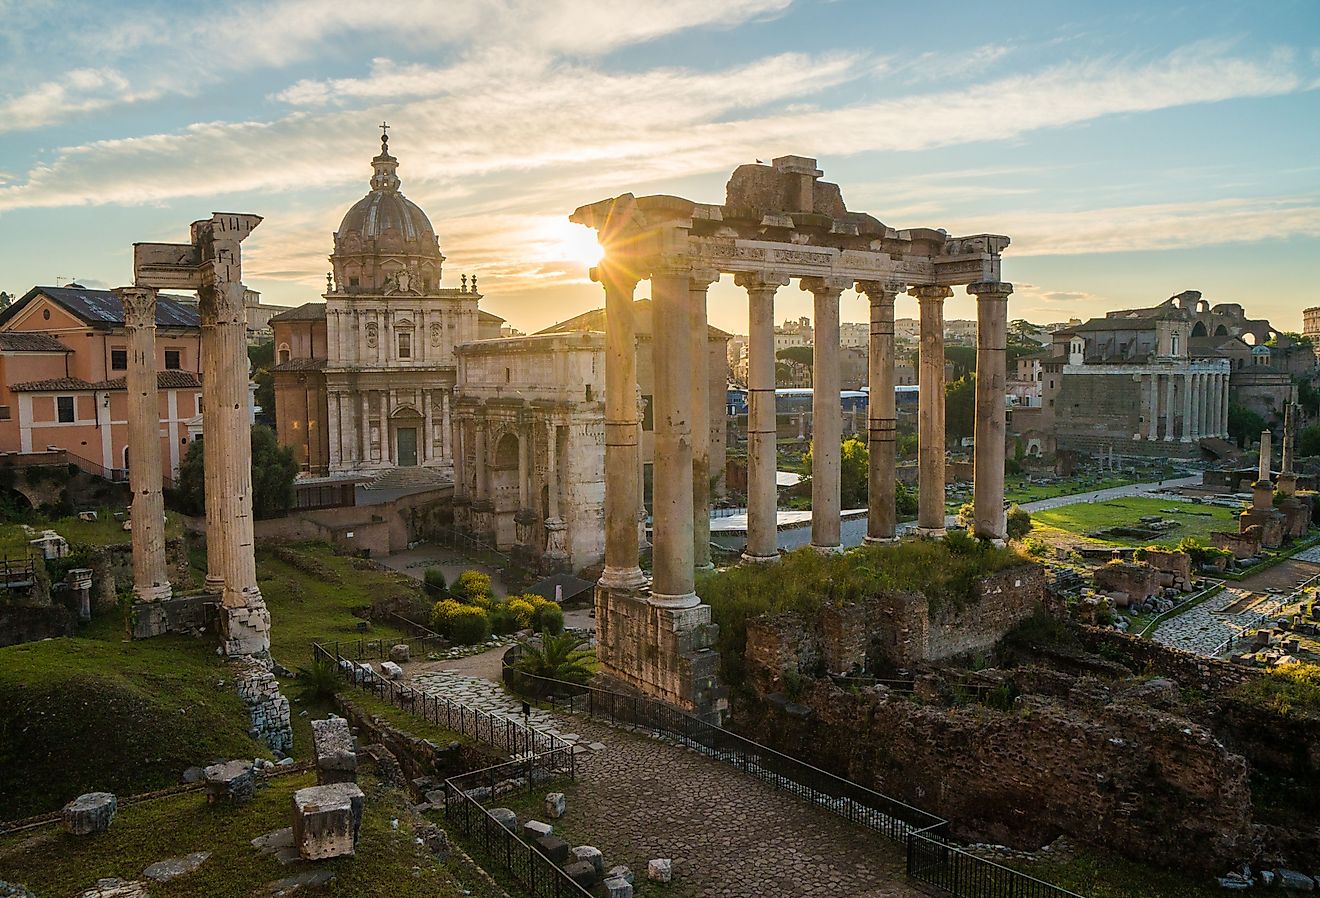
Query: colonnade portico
[[1184, 401], [778, 222]]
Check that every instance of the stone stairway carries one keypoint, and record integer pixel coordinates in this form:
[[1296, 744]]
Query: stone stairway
[[414, 477]]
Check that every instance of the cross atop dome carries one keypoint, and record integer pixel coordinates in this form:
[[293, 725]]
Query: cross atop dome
[[385, 165], [384, 139]]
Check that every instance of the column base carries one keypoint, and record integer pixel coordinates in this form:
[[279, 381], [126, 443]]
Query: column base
[[624, 579], [153, 593], [214, 584], [932, 532], [835, 549], [760, 559], [660, 600], [1185, 440], [679, 666], [879, 540], [245, 630], [704, 567]]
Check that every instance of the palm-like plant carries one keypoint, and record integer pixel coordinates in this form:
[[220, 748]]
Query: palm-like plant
[[564, 657]]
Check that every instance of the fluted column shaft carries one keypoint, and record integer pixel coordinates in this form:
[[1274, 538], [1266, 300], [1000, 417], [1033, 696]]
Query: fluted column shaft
[[991, 415], [698, 332], [1153, 425], [150, 570], [881, 414], [673, 582], [622, 452], [826, 414], [1197, 383], [1187, 408], [930, 434], [213, 458], [762, 423], [1169, 415], [1228, 382]]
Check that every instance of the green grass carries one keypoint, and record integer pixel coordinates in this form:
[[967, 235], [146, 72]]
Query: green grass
[[387, 862], [1087, 517], [83, 714], [1291, 692], [104, 531], [1105, 876], [404, 720]]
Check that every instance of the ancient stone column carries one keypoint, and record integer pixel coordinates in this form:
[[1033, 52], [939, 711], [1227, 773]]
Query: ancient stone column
[[622, 450], [991, 415], [1169, 415], [762, 423], [826, 414], [1153, 425], [556, 536], [1187, 408], [930, 426], [699, 334], [151, 581], [1207, 410], [212, 450], [1263, 466], [1194, 395], [673, 582], [1228, 383], [882, 415], [1286, 449], [244, 620]]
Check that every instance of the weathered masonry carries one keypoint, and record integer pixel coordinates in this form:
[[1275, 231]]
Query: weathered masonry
[[778, 222]]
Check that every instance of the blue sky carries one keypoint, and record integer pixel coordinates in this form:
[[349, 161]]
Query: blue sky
[[1131, 150]]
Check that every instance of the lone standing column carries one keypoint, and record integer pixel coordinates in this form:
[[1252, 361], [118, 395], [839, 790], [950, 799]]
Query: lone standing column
[[762, 423], [881, 518], [930, 433], [622, 455], [213, 458], [991, 417], [826, 414], [673, 583], [699, 331], [150, 571]]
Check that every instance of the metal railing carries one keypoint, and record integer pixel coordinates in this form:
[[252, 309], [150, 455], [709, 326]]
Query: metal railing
[[379, 649], [932, 858]]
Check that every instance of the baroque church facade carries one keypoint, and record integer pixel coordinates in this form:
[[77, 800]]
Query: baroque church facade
[[364, 381]]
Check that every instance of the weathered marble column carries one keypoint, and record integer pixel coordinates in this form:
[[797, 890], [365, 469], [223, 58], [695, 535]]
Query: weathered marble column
[[1169, 416], [1207, 404], [826, 414], [428, 427], [1187, 408], [622, 449], [930, 428], [244, 620], [1153, 425], [762, 422], [699, 334], [1228, 384], [882, 414], [991, 415], [212, 451], [151, 581], [673, 583], [1194, 394], [556, 542]]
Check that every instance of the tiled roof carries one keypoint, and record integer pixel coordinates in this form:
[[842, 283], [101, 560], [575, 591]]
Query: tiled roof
[[308, 311], [300, 365], [102, 308], [483, 315], [595, 321], [24, 341], [165, 380]]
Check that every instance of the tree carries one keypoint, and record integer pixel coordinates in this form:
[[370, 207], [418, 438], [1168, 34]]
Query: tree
[[960, 407], [262, 357], [564, 657], [854, 474], [273, 471], [1244, 425], [1308, 441], [799, 359]]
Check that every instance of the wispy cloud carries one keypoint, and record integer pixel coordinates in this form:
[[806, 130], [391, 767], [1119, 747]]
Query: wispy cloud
[[75, 92]]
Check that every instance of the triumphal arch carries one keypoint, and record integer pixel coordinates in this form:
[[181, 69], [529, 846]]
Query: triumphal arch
[[778, 222]]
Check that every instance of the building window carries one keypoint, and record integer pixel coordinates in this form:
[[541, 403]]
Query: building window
[[173, 360], [352, 282], [1173, 344], [4, 413], [45, 314], [284, 354], [119, 360], [64, 409], [405, 346]]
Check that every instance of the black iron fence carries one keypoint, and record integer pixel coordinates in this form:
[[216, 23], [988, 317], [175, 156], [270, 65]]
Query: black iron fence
[[379, 649], [932, 858]]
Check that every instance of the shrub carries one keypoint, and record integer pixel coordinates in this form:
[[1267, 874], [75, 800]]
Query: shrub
[[503, 620], [434, 578], [549, 619], [463, 624], [1036, 548], [1019, 522], [1291, 691], [319, 680], [474, 588], [1200, 552], [562, 657], [522, 610]]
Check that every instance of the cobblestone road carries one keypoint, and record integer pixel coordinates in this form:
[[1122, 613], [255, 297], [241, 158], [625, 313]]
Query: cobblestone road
[[1205, 628], [638, 798]]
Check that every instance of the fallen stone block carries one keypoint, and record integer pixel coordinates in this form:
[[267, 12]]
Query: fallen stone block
[[14, 890], [581, 872], [90, 813], [618, 887], [401, 653], [174, 867], [326, 820], [300, 882], [194, 775], [113, 887], [660, 869], [556, 805], [1292, 879], [231, 781], [534, 829], [591, 855], [620, 871], [279, 843], [553, 847], [391, 671], [336, 754], [505, 818]]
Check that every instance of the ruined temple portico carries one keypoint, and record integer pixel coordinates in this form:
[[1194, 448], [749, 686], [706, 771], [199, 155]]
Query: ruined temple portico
[[778, 222]]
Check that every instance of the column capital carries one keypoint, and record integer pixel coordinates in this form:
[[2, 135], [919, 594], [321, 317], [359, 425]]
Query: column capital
[[678, 266], [702, 278], [825, 285], [990, 289], [757, 281], [139, 305], [928, 292], [881, 291], [617, 273]]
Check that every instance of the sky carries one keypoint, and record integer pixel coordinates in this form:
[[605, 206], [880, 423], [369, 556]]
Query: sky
[[1132, 150]]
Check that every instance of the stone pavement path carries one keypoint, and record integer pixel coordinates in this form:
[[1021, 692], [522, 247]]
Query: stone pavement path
[[1205, 628], [729, 835]]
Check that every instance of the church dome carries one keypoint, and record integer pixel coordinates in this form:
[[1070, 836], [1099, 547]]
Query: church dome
[[385, 240]]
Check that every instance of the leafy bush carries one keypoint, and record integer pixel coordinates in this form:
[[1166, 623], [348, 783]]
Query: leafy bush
[[502, 620], [1019, 522], [558, 657], [1036, 548], [474, 588], [1200, 552], [549, 619], [434, 578], [463, 624], [319, 680]]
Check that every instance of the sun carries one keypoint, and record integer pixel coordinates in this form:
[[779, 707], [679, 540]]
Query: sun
[[568, 242]]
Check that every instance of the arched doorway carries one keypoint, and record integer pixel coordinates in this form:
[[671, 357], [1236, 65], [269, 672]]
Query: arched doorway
[[504, 491], [405, 427]]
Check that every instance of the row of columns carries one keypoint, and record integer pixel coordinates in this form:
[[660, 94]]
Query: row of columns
[[681, 409], [1204, 404]]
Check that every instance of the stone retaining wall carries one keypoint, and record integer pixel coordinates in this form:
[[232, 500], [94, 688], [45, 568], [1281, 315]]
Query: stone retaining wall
[[268, 710], [418, 757]]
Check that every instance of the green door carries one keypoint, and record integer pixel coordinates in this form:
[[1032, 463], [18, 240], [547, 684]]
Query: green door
[[407, 437]]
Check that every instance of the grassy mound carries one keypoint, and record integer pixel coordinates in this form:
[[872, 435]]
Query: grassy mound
[[1292, 691], [86, 714]]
